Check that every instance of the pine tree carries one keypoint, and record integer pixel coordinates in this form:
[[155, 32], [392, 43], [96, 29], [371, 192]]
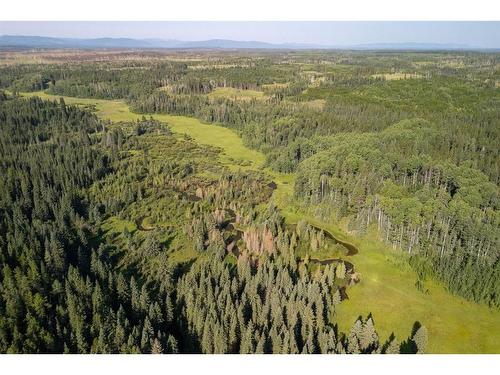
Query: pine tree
[[247, 345], [156, 347], [368, 338], [207, 339], [340, 271], [421, 338], [172, 346], [393, 347]]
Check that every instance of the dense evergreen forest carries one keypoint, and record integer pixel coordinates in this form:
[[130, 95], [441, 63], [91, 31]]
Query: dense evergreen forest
[[69, 286], [143, 241]]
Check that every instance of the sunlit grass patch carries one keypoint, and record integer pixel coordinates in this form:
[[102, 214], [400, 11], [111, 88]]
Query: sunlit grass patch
[[236, 94], [317, 104], [387, 290], [115, 225], [275, 85], [396, 76]]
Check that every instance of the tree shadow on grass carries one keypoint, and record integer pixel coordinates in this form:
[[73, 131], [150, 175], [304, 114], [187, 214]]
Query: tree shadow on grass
[[409, 346]]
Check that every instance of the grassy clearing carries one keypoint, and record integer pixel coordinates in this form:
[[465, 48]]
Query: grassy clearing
[[317, 104], [115, 225], [236, 94], [216, 66], [114, 110], [396, 76], [387, 288], [275, 85]]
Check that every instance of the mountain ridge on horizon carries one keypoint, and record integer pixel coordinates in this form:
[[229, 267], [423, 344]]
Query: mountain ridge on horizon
[[44, 42]]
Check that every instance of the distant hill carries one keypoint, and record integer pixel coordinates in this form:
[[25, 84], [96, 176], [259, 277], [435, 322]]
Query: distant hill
[[49, 42], [23, 41], [412, 46]]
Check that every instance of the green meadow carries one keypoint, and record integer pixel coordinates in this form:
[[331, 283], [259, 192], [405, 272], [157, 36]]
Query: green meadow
[[236, 94]]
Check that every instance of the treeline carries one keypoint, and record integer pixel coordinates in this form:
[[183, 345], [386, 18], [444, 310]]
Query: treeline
[[446, 213], [97, 80], [129, 79]]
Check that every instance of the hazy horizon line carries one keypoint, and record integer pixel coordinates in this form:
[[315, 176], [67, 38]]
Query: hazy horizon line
[[244, 44], [477, 34]]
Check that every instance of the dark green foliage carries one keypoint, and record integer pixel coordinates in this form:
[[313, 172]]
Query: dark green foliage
[[92, 214], [269, 308], [59, 290]]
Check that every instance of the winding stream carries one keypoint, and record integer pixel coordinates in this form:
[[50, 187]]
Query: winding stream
[[351, 249]]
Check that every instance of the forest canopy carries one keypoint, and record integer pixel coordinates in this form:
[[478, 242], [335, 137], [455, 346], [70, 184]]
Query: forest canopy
[[128, 236]]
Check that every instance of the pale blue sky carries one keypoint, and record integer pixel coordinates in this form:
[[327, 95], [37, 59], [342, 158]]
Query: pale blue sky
[[476, 34]]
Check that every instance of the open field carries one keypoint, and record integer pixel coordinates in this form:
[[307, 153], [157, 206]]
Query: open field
[[317, 104], [276, 85], [396, 76], [387, 288], [236, 94]]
